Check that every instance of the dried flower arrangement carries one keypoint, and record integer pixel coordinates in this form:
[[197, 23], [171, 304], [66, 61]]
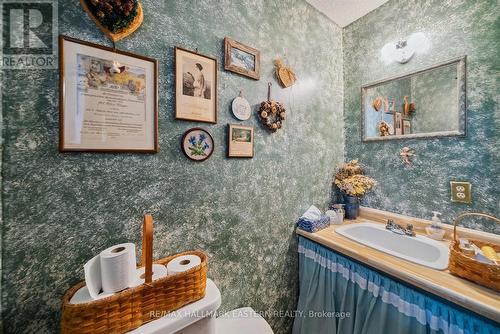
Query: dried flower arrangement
[[351, 180]]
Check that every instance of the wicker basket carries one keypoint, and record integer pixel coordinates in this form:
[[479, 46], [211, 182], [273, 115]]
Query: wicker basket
[[131, 308], [468, 267]]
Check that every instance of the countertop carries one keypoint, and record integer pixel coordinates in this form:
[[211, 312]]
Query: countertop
[[471, 296]]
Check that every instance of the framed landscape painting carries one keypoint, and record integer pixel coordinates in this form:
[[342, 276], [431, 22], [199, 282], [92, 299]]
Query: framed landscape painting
[[195, 86], [241, 59], [108, 99], [240, 141]]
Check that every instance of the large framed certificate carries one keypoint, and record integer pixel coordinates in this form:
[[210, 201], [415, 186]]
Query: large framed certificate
[[108, 100]]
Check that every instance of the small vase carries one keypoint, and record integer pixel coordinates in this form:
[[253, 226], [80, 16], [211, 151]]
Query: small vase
[[351, 206]]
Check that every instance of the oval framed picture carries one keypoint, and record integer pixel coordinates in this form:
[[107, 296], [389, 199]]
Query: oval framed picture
[[197, 144]]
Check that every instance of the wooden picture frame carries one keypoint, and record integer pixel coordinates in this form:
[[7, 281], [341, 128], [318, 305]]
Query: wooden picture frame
[[406, 127], [391, 106], [94, 83], [242, 59], [195, 86], [240, 141], [398, 123], [193, 145]]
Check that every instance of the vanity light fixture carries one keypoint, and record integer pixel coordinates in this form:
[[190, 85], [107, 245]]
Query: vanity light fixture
[[403, 53], [404, 49]]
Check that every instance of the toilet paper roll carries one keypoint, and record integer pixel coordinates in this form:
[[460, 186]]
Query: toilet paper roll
[[93, 279], [182, 263], [84, 295], [159, 271], [114, 269], [118, 267]]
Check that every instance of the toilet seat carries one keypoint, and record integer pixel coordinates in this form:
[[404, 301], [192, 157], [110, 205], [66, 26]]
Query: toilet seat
[[242, 321]]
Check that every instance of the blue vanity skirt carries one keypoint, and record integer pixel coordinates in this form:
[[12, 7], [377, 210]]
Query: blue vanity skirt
[[338, 295]]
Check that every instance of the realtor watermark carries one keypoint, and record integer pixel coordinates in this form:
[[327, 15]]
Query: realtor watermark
[[246, 313], [28, 34]]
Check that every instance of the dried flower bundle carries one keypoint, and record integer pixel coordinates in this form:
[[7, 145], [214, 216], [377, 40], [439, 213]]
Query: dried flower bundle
[[351, 180]]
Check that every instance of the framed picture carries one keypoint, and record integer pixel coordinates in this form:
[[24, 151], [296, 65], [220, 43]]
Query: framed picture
[[406, 126], [241, 59], [108, 100], [195, 86], [240, 141], [391, 104], [398, 123], [197, 144]]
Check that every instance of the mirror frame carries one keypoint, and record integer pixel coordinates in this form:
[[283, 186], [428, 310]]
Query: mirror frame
[[461, 101]]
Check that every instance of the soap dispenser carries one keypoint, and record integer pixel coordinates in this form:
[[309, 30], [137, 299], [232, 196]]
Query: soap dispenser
[[435, 231]]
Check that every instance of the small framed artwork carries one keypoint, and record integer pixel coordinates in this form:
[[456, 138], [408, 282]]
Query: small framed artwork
[[197, 144], [241, 59], [391, 106], [240, 141], [108, 99], [398, 123], [195, 86], [406, 126]]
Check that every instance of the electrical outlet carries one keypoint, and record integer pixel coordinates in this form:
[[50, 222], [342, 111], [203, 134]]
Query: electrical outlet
[[461, 191]]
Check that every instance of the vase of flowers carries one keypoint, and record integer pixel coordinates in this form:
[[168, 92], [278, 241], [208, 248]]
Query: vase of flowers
[[353, 184]]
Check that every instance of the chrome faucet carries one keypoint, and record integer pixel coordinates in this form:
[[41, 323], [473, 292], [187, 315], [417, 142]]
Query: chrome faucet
[[398, 229]]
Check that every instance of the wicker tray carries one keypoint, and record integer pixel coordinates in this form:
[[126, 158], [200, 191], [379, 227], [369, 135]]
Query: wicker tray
[[131, 308], [468, 267]]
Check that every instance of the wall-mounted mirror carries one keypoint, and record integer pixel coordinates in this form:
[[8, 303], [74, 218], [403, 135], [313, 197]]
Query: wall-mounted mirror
[[422, 104]]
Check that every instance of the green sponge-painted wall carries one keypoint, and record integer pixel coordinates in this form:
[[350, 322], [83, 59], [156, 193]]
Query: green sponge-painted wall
[[61, 209], [455, 28]]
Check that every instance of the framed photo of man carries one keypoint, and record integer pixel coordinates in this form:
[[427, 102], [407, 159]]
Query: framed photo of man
[[195, 86], [108, 100]]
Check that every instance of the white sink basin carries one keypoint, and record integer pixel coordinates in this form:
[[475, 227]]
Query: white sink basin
[[418, 249]]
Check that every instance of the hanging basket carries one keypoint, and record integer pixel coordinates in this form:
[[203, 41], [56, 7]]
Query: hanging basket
[[131, 308]]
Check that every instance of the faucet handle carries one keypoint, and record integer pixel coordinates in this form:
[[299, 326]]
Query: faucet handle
[[409, 230], [390, 224]]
